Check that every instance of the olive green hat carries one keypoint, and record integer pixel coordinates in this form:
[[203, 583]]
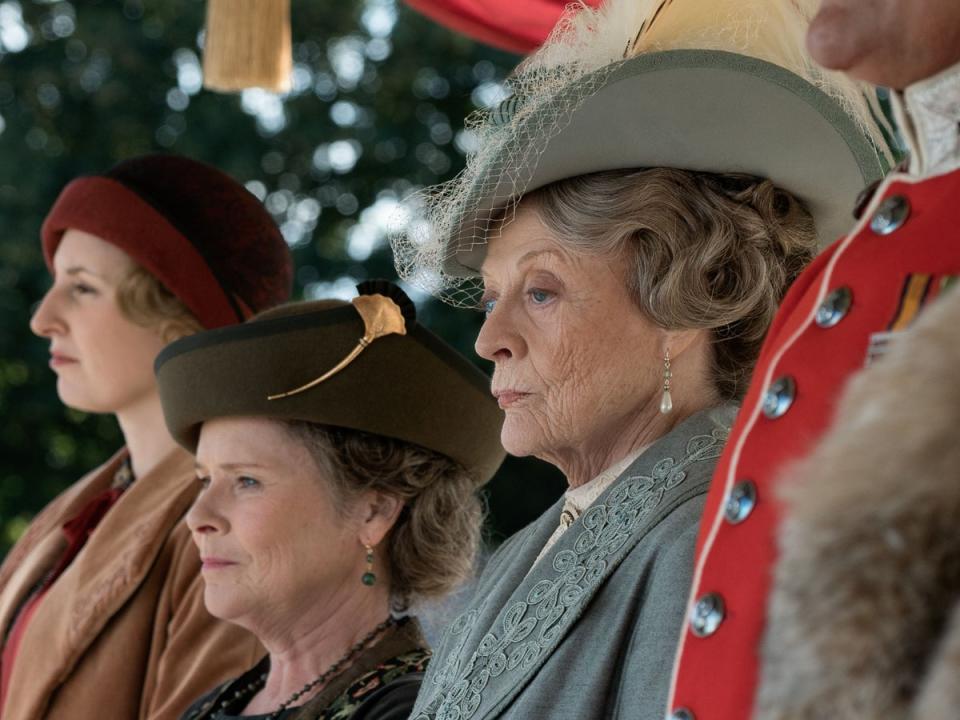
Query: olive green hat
[[364, 365]]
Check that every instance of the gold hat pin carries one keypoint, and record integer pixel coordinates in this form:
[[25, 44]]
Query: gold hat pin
[[385, 310]]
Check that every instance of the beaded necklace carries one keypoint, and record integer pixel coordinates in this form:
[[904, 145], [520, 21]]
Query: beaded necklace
[[255, 685]]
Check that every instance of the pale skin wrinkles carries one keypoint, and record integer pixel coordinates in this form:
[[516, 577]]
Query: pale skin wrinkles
[[299, 557], [589, 359], [113, 372]]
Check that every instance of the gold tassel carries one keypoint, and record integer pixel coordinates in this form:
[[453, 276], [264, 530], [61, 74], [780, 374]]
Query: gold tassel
[[247, 45]]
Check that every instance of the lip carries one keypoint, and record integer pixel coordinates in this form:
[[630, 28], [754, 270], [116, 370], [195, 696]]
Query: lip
[[215, 563], [59, 360], [508, 398]]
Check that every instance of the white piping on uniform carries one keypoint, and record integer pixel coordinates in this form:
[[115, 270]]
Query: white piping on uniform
[[755, 413]]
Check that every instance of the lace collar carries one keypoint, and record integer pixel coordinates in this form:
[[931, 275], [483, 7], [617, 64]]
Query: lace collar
[[928, 113]]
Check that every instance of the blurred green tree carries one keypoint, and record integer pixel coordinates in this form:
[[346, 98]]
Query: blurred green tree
[[377, 104]]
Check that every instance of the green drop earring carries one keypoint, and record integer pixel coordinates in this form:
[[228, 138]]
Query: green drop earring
[[368, 577]]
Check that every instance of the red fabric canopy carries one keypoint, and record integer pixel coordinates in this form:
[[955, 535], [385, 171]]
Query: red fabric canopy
[[516, 25]]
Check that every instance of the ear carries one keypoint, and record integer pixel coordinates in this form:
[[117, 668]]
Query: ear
[[677, 342], [378, 514]]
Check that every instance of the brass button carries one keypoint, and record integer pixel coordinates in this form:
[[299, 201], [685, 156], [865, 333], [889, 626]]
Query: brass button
[[834, 307], [740, 502], [707, 615], [779, 397], [891, 215]]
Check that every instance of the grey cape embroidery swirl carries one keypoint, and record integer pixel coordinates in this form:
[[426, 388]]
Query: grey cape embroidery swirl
[[529, 627]]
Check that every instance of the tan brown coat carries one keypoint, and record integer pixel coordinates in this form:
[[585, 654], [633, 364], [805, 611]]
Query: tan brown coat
[[864, 618], [123, 633]]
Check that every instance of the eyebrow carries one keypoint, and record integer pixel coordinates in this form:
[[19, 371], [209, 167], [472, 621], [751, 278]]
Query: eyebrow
[[77, 269], [527, 257], [233, 466]]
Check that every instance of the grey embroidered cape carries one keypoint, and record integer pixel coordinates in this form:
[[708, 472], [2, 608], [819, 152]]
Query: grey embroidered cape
[[589, 631]]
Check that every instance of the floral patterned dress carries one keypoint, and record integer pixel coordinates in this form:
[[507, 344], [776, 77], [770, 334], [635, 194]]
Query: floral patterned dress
[[382, 684]]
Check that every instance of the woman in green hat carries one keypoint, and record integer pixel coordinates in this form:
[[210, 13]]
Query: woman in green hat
[[339, 448], [633, 215]]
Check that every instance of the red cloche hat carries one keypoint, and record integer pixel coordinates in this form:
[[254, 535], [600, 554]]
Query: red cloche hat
[[197, 230]]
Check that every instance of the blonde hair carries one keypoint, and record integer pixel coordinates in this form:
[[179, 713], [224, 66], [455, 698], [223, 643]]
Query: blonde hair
[[433, 545], [700, 251], [145, 301]]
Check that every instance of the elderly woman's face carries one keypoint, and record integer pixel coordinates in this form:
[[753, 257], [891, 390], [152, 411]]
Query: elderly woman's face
[[575, 359], [272, 543]]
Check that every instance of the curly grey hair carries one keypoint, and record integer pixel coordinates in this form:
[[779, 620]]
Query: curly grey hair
[[701, 251]]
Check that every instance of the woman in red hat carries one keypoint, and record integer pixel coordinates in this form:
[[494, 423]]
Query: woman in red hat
[[101, 601]]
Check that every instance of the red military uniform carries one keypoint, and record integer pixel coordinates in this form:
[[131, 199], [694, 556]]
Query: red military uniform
[[840, 314]]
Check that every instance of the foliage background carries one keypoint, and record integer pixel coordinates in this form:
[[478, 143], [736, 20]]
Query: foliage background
[[379, 97]]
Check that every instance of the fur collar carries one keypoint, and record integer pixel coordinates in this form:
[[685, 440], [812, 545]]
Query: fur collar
[[862, 617]]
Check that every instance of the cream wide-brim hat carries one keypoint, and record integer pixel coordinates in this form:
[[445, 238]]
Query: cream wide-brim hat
[[705, 109], [701, 110]]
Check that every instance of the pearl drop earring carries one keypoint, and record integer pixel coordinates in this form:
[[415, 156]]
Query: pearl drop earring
[[666, 402]]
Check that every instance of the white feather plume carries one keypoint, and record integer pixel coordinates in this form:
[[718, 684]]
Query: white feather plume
[[592, 38]]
